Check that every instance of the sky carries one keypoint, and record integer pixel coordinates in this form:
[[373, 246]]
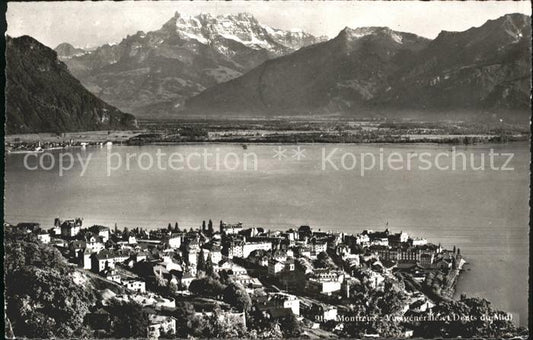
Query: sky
[[90, 24]]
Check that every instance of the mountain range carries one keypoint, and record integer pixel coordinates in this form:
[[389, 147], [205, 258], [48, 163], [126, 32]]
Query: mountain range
[[42, 96], [152, 74], [482, 71], [228, 66]]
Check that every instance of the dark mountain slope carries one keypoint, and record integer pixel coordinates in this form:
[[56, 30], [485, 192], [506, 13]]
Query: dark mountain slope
[[482, 69], [337, 75], [366, 71], [42, 96]]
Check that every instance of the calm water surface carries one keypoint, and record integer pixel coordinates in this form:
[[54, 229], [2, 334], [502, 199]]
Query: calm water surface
[[484, 213]]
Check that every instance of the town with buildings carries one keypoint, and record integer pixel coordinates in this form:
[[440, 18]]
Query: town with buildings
[[318, 279]]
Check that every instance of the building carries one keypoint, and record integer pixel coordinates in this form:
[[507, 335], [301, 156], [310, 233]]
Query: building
[[275, 267], [376, 280], [56, 231], [326, 281], [43, 237], [249, 247], [329, 312], [304, 251], [159, 325], [166, 256], [76, 247], [418, 242], [139, 256], [234, 249], [291, 235], [230, 229], [342, 250], [404, 254], [279, 255], [324, 287], [426, 259], [318, 247], [135, 285], [93, 242], [443, 264], [362, 239], [100, 230], [192, 258], [283, 300], [398, 239], [328, 275], [380, 238], [232, 268], [85, 259], [186, 280], [289, 264], [112, 275], [215, 254], [411, 255], [107, 259], [174, 240], [71, 228]]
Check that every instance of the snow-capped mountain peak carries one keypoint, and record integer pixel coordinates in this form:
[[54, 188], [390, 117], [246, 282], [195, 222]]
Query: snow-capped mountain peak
[[189, 53], [242, 28]]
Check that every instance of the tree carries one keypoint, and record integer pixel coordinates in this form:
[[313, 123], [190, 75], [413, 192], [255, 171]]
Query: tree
[[169, 227], [203, 226], [27, 251], [210, 227], [201, 261], [290, 326], [48, 304], [262, 326], [41, 298], [129, 319], [219, 325], [236, 295], [186, 314], [324, 261], [176, 227], [209, 269], [206, 286]]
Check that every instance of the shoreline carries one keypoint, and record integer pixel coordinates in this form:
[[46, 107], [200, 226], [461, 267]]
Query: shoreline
[[92, 144]]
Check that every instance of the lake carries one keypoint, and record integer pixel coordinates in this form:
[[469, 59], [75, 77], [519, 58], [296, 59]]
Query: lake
[[484, 213]]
